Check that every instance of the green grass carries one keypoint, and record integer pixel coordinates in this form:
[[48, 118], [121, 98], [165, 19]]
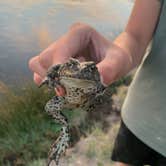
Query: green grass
[[26, 131], [38, 162]]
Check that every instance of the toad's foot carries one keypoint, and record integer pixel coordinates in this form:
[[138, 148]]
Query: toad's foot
[[59, 147]]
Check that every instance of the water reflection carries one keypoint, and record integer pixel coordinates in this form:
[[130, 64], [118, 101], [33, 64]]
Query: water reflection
[[43, 36], [27, 27]]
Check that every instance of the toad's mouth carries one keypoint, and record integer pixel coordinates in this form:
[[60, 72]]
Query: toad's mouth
[[44, 82], [50, 83]]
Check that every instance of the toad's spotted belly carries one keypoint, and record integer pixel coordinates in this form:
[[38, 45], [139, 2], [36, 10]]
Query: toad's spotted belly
[[75, 96], [77, 91]]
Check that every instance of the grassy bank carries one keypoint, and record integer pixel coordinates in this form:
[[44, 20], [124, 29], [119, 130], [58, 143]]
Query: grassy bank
[[26, 131]]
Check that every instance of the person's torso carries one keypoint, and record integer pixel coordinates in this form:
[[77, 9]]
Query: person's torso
[[144, 110]]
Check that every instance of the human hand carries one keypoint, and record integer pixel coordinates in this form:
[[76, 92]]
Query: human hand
[[81, 42]]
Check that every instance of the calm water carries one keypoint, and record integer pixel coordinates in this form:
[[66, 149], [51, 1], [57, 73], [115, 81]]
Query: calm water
[[28, 26]]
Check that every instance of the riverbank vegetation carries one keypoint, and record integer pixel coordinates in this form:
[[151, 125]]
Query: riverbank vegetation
[[26, 131]]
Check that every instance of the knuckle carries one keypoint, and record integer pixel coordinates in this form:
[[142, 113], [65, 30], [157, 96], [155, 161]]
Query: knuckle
[[45, 58], [76, 25], [42, 60], [31, 63], [37, 79], [80, 25]]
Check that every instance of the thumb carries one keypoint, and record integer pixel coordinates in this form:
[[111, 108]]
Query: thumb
[[105, 72]]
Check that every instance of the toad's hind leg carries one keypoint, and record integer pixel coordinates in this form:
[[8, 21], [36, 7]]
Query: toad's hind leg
[[59, 147], [54, 107]]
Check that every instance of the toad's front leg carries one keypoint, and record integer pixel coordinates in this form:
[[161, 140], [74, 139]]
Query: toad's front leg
[[53, 108]]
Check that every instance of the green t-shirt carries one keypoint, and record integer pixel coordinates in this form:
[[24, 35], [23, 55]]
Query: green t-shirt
[[144, 110]]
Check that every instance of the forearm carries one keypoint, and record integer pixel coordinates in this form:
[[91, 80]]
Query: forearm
[[132, 47], [129, 47]]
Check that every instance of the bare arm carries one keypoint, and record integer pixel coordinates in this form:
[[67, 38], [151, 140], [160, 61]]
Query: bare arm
[[129, 47]]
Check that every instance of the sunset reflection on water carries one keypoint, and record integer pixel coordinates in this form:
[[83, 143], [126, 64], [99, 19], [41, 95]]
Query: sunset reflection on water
[[27, 27]]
